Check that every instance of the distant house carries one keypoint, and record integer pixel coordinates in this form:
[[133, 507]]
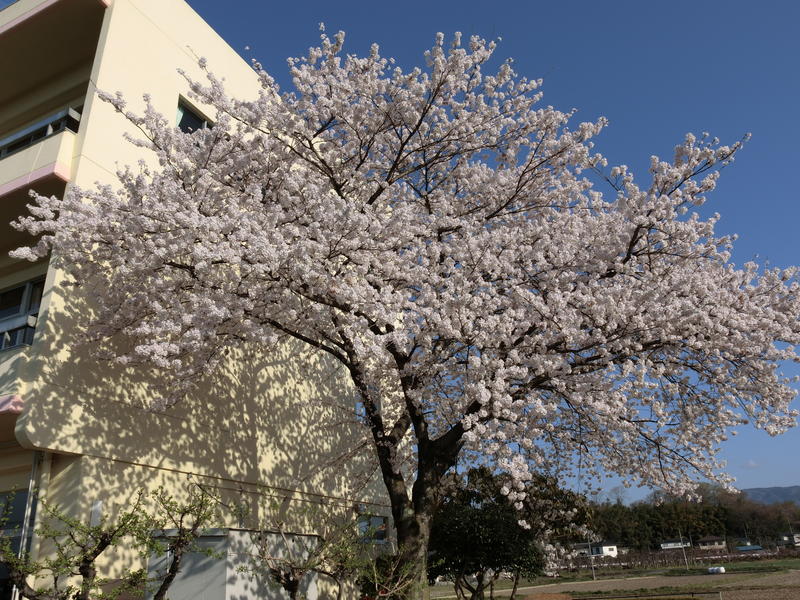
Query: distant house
[[675, 544], [604, 549], [596, 549], [789, 540], [711, 542]]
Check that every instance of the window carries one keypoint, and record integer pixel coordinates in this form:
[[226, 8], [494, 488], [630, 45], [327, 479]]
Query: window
[[12, 511], [373, 528], [12, 515], [69, 118], [19, 308], [189, 120]]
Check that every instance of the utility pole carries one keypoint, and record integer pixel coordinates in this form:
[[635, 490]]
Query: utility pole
[[683, 549], [591, 558]]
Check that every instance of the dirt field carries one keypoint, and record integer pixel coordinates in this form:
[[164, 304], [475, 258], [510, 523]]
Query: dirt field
[[734, 586], [773, 586]]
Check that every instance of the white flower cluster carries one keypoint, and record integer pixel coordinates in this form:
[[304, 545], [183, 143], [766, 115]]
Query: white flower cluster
[[435, 230]]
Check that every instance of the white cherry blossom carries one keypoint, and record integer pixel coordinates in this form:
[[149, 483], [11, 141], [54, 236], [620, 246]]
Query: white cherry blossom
[[490, 286]]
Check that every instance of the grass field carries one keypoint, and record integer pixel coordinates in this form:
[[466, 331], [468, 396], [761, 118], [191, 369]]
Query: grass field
[[762, 580]]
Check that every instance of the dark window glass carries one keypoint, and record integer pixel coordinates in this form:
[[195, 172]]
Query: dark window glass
[[11, 302], [12, 509], [188, 120], [16, 304], [36, 297], [5, 584]]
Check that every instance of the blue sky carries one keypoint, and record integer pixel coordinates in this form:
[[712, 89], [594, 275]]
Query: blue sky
[[656, 70]]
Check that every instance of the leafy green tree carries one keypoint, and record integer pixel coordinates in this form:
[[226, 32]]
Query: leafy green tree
[[388, 576], [478, 534], [185, 521], [643, 525], [69, 571]]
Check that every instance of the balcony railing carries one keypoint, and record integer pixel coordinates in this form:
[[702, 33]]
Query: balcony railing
[[68, 118]]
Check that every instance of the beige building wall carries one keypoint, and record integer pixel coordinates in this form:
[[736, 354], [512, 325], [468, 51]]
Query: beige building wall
[[271, 425]]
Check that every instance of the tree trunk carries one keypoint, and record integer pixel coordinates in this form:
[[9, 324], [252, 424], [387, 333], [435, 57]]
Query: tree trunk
[[88, 573], [293, 589], [458, 589], [412, 516], [172, 572], [411, 576], [338, 588], [514, 589], [480, 586], [336, 578]]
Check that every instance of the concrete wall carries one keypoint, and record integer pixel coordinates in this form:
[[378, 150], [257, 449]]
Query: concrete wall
[[269, 429], [51, 156], [275, 424]]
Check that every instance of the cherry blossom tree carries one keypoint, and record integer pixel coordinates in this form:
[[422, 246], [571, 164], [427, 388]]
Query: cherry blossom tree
[[487, 281]]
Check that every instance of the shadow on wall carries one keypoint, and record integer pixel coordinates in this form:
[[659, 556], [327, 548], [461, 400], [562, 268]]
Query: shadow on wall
[[278, 425]]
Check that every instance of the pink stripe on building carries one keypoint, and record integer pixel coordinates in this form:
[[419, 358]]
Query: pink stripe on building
[[59, 170]]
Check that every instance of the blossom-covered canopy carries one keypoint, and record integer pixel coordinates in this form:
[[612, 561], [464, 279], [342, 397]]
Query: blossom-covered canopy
[[482, 275]]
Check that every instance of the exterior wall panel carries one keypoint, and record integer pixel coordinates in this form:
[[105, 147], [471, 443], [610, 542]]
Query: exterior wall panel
[[268, 426]]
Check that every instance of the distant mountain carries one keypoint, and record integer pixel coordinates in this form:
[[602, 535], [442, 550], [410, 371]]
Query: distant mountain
[[774, 495]]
